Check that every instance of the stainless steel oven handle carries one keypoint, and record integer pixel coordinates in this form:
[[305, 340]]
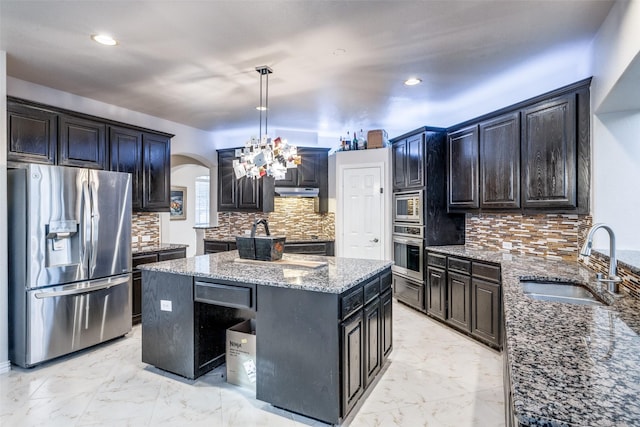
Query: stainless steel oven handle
[[408, 241], [103, 284]]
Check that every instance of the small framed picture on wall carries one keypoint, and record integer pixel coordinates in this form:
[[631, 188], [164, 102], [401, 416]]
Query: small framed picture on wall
[[178, 207]]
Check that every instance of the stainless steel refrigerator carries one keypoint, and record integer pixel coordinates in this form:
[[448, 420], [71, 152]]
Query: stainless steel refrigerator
[[69, 260]]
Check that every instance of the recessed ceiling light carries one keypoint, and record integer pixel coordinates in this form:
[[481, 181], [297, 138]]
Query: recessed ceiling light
[[339, 52], [412, 81], [104, 39], [260, 108]]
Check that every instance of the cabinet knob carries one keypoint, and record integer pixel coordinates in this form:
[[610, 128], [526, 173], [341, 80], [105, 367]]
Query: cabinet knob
[[375, 240]]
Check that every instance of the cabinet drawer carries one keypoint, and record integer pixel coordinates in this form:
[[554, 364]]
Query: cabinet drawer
[[214, 247], [352, 301], [436, 260], [306, 248], [459, 265], [371, 290], [176, 254], [143, 259], [486, 271], [385, 281], [409, 292], [224, 295]]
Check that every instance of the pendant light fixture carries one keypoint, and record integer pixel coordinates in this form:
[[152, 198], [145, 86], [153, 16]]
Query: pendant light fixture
[[263, 156]]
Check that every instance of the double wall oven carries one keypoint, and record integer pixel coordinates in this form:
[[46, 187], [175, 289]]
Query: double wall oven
[[408, 247]]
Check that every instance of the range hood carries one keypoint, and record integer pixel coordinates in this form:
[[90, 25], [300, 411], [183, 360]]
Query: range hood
[[296, 191]]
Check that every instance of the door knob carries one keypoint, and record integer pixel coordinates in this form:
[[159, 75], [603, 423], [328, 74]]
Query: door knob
[[375, 240]]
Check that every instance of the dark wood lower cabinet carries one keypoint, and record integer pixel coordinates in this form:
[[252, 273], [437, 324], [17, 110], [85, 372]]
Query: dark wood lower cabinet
[[459, 306], [466, 294], [213, 246], [352, 360], [136, 289], [386, 328], [136, 283], [485, 321], [437, 292], [372, 349]]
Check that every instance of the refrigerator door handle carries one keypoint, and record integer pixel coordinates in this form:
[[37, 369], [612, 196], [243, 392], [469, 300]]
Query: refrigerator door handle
[[94, 217], [96, 286], [85, 225]]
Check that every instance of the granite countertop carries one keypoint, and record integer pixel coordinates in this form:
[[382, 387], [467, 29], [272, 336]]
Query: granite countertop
[[232, 239], [570, 365], [142, 249], [626, 257], [339, 275]]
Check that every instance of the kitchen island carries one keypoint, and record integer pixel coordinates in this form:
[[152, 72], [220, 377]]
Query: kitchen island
[[323, 332]]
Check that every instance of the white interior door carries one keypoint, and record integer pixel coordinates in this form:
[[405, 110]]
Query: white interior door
[[362, 213]]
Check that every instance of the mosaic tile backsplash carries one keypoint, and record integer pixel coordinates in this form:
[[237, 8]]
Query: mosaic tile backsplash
[[555, 236], [147, 225], [294, 218]]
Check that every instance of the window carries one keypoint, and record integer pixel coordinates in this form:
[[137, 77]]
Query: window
[[202, 200]]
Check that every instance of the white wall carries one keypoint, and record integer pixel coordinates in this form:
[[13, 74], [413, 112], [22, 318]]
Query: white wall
[[4, 265], [187, 141], [616, 126], [181, 231], [616, 166]]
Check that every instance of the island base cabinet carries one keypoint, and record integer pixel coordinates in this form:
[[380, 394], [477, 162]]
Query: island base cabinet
[[352, 361], [195, 341], [297, 349], [386, 304], [167, 299], [331, 346]]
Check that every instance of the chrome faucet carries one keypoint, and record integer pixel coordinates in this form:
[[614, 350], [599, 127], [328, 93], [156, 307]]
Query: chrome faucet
[[613, 278]]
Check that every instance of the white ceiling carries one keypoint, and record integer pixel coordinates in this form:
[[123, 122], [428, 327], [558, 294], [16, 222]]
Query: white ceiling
[[193, 62]]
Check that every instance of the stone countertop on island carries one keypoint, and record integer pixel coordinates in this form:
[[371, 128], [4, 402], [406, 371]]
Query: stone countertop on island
[[339, 275], [570, 365], [158, 247]]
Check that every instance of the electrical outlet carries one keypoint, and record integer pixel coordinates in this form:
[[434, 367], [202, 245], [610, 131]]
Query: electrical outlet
[[507, 245], [134, 239], [165, 305]]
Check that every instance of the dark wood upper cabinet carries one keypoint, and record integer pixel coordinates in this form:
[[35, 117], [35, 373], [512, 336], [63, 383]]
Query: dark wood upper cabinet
[[312, 171], [126, 156], [549, 154], [244, 194], [44, 134], [408, 161], [156, 163], [399, 155], [33, 134], [462, 169], [147, 157], [415, 161], [533, 156], [82, 142], [500, 162]]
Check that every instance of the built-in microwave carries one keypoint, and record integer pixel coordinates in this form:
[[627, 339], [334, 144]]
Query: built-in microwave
[[407, 207]]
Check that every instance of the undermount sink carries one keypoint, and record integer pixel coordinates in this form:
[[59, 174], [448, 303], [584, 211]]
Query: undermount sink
[[569, 293]]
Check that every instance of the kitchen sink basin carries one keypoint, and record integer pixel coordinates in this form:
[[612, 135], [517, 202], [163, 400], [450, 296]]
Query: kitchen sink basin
[[569, 293]]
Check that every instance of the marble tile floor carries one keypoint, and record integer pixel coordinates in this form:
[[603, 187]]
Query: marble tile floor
[[436, 377]]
